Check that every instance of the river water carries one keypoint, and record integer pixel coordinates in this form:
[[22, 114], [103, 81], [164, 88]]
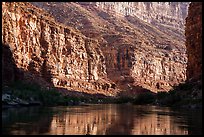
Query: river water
[[102, 119]]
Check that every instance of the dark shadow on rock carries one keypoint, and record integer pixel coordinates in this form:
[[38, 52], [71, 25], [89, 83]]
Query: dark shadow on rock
[[133, 91], [10, 72], [82, 95]]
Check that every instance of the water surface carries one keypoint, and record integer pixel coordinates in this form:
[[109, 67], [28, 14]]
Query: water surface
[[102, 119]]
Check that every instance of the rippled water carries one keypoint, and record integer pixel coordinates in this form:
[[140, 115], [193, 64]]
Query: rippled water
[[103, 119]]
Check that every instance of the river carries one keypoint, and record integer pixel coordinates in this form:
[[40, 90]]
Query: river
[[101, 119]]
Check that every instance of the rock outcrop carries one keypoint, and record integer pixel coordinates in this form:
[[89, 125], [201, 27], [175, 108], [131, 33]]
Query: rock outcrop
[[60, 55], [141, 42], [194, 41]]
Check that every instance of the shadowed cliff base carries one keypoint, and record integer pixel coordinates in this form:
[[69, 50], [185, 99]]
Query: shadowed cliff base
[[10, 72]]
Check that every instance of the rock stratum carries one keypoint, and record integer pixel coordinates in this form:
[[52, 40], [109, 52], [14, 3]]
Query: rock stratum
[[170, 14], [51, 51], [88, 48]]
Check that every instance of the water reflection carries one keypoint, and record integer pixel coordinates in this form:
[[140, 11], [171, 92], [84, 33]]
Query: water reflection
[[25, 121], [94, 119], [101, 119]]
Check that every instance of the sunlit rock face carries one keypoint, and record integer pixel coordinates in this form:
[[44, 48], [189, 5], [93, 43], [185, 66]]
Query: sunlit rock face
[[163, 13], [143, 43], [60, 55], [194, 41]]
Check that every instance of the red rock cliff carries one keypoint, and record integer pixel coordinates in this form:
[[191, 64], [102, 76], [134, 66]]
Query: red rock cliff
[[194, 41], [111, 53], [138, 51], [46, 49]]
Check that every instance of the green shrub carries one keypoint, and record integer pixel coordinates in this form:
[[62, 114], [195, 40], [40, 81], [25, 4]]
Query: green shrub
[[184, 86], [123, 99], [161, 95], [144, 98], [26, 91], [168, 98]]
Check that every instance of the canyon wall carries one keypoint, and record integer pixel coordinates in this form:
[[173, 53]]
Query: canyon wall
[[164, 13], [60, 55], [194, 41], [143, 43], [88, 48]]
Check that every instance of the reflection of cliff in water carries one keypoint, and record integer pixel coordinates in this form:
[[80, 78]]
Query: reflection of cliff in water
[[26, 121], [157, 122], [116, 119], [104, 119], [84, 120]]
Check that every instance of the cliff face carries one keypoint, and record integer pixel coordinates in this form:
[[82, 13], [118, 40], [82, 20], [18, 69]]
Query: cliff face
[[60, 55], [110, 53], [194, 41], [141, 42], [162, 13]]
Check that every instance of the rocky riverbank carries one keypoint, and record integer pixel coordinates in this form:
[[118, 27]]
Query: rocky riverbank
[[21, 94]]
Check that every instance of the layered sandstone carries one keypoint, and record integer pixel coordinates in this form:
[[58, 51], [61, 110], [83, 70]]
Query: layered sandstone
[[141, 42], [194, 41], [60, 55], [170, 14]]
